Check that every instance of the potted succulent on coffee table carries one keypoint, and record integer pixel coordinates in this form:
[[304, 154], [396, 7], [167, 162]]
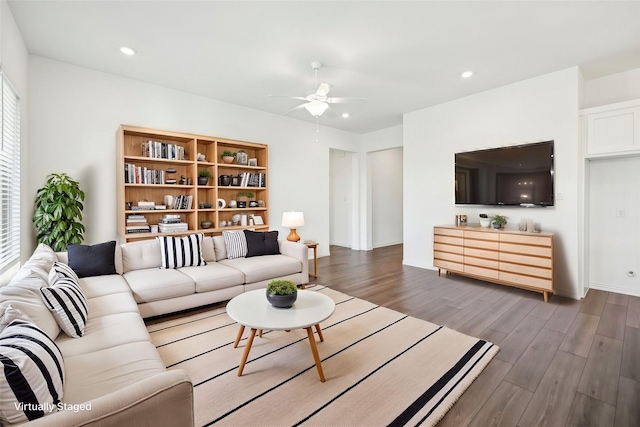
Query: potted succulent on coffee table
[[282, 293], [498, 221]]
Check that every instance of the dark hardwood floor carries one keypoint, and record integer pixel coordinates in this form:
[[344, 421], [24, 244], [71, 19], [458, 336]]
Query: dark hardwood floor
[[561, 363]]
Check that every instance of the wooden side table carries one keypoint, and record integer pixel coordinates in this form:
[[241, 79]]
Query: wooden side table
[[313, 245]]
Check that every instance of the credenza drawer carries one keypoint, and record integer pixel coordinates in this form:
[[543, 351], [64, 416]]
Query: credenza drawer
[[481, 272], [482, 244], [481, 253], [526, 269], [447, 265], [525, 250], [481, 235], [448, 239], [527, 260], [448, 256], [534, 282], [526, 239], [481, 262], [441, 247], [448, 232]]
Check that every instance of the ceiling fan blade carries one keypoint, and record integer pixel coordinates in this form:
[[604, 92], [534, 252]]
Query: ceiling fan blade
[[346, 100], [330, 113], [299, 107], [323, 89], [287, 96]]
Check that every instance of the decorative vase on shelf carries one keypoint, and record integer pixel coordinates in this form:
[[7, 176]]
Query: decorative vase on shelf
[[203, 180]]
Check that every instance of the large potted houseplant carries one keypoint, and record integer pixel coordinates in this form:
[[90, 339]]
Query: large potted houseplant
[[282, 293], [498, 221], [58, 212]]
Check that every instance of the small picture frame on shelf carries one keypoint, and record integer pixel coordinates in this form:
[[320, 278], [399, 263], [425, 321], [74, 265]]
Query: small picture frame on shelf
[[242, 158], [253, 162], [257, 220]]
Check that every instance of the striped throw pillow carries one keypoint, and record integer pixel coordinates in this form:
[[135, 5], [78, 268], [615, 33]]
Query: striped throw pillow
[[236, 244], [185, 251], [68, 304], [61, 269], [32, 377]]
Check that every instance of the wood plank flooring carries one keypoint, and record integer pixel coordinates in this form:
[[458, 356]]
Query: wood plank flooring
[[564, 363]]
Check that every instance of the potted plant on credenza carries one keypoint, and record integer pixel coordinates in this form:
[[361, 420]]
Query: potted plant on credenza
[[498, 221]]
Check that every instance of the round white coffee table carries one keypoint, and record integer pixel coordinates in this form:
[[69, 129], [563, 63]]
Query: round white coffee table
[[252, 310]]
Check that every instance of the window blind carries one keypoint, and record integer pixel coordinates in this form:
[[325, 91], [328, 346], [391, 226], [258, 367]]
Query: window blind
[[9, 177]]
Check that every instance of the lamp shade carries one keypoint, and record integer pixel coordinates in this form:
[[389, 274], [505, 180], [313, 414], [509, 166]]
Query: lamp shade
[[292, 219], [316, 108]]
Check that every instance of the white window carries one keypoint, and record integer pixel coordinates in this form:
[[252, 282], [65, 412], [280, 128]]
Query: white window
[[9, 178]]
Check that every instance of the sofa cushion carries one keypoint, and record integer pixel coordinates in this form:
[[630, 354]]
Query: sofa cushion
[[98, 373], [154, 284], [208, 250], [213, 276], [265, 267], [68, 304], [107, 305], [184, 251], [40, 261], [33, 373], [219, 247], [261, 243], [141, 255], [60, 270], [97, 286], [25, 296], [94, 260], [105, 332], [236, 244]]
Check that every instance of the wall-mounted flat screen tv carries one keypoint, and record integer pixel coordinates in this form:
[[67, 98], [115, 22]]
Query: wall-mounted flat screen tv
[[519, 175]]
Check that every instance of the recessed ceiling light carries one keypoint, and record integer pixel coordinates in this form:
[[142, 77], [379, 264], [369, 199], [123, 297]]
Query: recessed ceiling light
[[345, 115], [467, 74], [128, 50]]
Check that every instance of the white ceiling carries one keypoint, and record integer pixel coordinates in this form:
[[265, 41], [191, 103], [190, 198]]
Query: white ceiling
[[401, 56]]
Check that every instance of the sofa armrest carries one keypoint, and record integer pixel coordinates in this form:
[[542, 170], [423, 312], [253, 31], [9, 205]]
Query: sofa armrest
[[299, 252], [163, 399]]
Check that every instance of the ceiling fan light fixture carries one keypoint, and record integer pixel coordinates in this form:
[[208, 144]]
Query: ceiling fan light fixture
[[316, 108], [129, 51]]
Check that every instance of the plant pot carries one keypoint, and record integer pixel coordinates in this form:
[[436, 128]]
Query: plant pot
[[497, 226], [485, 222], [228, 159], [205, 224], [203, 180], [282, 301]]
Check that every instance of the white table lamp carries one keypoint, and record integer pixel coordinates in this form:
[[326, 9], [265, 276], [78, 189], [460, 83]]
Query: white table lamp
[[292, 220]]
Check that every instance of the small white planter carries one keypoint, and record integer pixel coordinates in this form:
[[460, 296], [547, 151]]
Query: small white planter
[[485, 222]]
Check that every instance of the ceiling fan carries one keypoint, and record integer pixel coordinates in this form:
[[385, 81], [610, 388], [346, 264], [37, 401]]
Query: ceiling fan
[[317, 102]]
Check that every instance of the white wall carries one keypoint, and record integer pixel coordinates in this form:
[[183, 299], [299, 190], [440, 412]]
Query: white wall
[[541, 108], [15, 59], [76, 112], [610, 89], [386, 196], [342, 202]]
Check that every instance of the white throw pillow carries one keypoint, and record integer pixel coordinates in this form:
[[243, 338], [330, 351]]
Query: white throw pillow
[[32, 381], [185, 251], [236, 244]]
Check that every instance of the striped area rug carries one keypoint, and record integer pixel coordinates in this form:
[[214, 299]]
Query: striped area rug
[[381, 367]]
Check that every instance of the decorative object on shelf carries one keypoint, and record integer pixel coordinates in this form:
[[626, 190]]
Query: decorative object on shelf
[[183, 180], [203, 176], [282, 293], [154, 228], [257, 220], [261, 203], [485, 221], [245, 196], [168, 200], [233, 204], [253, 162], [228, 156], [498, 221], [171, 170], [206, 205], [253, 204], [223, 223], [241, 204], [58, 212], [243, 220], [201, 157], [206, 224], [242, 158], [522, 226], [235, 180], [236, 218], [293, 220], [224, 180]]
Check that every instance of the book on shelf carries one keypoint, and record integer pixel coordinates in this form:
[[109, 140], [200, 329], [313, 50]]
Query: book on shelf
[[142, 175], [162, 150], [183, 201]]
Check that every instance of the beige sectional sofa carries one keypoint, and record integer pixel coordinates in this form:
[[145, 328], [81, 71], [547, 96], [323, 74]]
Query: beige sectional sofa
[[114, 375]]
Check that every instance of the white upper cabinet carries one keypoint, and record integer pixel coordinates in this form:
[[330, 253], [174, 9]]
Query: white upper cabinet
[[612, 129]]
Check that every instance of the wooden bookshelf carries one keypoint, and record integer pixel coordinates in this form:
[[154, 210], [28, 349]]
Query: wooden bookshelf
[[147, 180]]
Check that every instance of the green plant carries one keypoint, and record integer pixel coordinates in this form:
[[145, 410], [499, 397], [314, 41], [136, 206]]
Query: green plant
[[58, 212], [227, 153], [484, 216], [205, 173], [282, 287], [499, 219], [247, 194]]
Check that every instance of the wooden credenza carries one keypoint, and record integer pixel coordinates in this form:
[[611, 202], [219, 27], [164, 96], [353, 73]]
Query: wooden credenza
[[513, 258]]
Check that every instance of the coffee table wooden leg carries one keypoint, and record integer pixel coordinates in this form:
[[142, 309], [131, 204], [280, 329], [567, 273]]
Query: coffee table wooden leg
[[319, 331], [239, 337], [314, 350], [247, 348]]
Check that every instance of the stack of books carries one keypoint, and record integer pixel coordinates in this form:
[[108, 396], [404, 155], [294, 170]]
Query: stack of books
[[137, 224], [172, 224]]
